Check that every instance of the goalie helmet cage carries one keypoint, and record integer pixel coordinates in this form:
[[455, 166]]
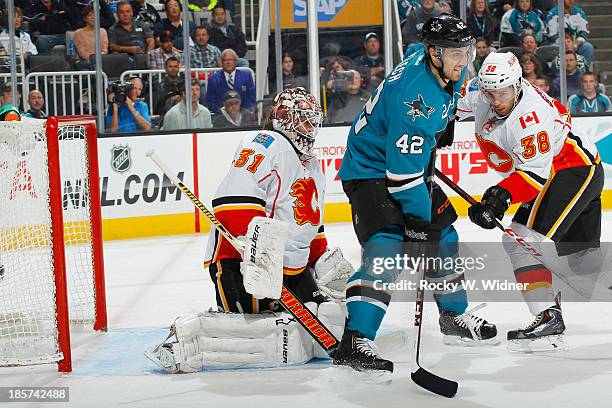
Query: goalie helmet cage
[[51, 264]]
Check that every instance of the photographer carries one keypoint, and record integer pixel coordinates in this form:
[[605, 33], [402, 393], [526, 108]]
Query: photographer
[[167, 92], [345, 104], [125, 112]]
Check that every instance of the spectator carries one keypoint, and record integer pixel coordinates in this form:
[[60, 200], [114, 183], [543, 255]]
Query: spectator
[[405, 7], [224, 35], [6, 97], [528, 46], [290, 80], [232, 115], [157, 57], [576, 23], [480, 21], [531, 67], [173, 23], [131, 115], [445, 6], [526, 21], [52, 24], [84, 40], [589, 99], [203, 54], [168, 92], [176, 118], [572, 76], [129, 36], [581, 62], [543, 84], [411, 33], [36, 102], [345, 105], [339, 75], [145, 13], [371, 65], [76, 8], [24, 46], [230, 78], [482, 51]]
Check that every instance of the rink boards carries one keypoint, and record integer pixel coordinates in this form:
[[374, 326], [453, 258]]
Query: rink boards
[[138, 201]]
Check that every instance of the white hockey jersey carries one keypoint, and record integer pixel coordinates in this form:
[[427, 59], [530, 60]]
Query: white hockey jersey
[[267, 178], [530, 144]]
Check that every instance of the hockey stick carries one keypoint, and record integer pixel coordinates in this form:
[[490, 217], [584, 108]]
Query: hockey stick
[[507, 230], [422, 377], [309, 321]]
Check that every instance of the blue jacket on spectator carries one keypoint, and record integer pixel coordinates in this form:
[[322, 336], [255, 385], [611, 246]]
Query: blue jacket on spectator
[[217, 87], [127, 121], [521, 22], [580, 103]]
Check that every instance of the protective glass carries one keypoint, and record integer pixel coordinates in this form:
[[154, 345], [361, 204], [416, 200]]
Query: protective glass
[[502, 95], [455, 56]]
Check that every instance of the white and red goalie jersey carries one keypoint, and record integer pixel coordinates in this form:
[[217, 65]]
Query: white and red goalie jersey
[[528, 146], [267, 178]]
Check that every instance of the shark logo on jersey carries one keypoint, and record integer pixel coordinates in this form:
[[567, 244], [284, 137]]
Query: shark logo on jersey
[[419, 108]]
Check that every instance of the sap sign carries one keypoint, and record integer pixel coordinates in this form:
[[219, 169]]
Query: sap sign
[[331, 13], [327, 9]]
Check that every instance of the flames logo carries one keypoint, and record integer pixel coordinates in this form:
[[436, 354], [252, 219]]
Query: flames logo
[[305, 192], [497, 157]]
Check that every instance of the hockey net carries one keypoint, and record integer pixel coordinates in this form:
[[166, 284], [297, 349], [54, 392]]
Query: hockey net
[[51, 271]]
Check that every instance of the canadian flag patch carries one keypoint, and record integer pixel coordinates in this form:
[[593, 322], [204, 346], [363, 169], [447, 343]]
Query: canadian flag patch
[[529, 119]]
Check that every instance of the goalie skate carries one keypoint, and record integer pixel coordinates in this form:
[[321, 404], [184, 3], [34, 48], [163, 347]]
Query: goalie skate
[[164, 354], [544, 334]]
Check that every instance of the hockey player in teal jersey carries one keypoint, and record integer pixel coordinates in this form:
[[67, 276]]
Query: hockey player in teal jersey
[[383, 173]]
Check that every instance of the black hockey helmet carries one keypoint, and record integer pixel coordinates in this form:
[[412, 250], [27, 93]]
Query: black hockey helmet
[[446, 31]]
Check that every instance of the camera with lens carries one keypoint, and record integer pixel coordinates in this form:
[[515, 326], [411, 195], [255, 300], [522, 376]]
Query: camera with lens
[[341, 79], [120, 91]]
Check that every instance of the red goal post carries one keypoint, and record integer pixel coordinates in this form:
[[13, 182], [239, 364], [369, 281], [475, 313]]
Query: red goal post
[[50, 238]]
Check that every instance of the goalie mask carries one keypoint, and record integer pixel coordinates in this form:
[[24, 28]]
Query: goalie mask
[[297, 115]]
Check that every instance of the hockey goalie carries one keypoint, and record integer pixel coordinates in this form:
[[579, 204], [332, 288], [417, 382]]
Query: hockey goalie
[[274, 176]]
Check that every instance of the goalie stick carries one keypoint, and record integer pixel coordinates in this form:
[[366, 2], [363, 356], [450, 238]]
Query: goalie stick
[[309, 321], [420, 376], [507, 230]]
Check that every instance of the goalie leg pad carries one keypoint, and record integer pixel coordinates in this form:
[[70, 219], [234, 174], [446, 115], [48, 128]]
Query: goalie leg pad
[[215, 340]]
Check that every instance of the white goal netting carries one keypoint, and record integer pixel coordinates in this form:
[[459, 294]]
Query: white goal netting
[[28, 301]]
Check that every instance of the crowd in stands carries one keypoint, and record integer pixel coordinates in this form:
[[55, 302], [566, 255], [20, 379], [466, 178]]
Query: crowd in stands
[[529, 29], [152, 39]]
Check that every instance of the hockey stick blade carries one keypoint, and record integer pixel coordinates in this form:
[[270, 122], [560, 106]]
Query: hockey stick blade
[[433, 383]]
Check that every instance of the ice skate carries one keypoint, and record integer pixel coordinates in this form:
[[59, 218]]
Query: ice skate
[[467, 329], [360, 354], [544, 334]]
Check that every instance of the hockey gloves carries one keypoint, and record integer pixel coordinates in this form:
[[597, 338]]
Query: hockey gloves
[[494, 204], [423, 238], [445, 137], [331, 273]]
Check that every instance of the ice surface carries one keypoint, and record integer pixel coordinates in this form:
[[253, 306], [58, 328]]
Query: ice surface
[[151, 281]]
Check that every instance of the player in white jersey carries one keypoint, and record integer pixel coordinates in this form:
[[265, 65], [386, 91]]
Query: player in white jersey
[[527, 138], [274, 174]]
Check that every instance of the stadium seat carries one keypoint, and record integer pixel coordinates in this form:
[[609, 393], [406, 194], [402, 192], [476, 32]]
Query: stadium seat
[[48, 63], [113, 65]]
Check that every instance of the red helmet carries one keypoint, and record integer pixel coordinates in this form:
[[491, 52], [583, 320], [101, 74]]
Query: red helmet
[[297, 115]]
